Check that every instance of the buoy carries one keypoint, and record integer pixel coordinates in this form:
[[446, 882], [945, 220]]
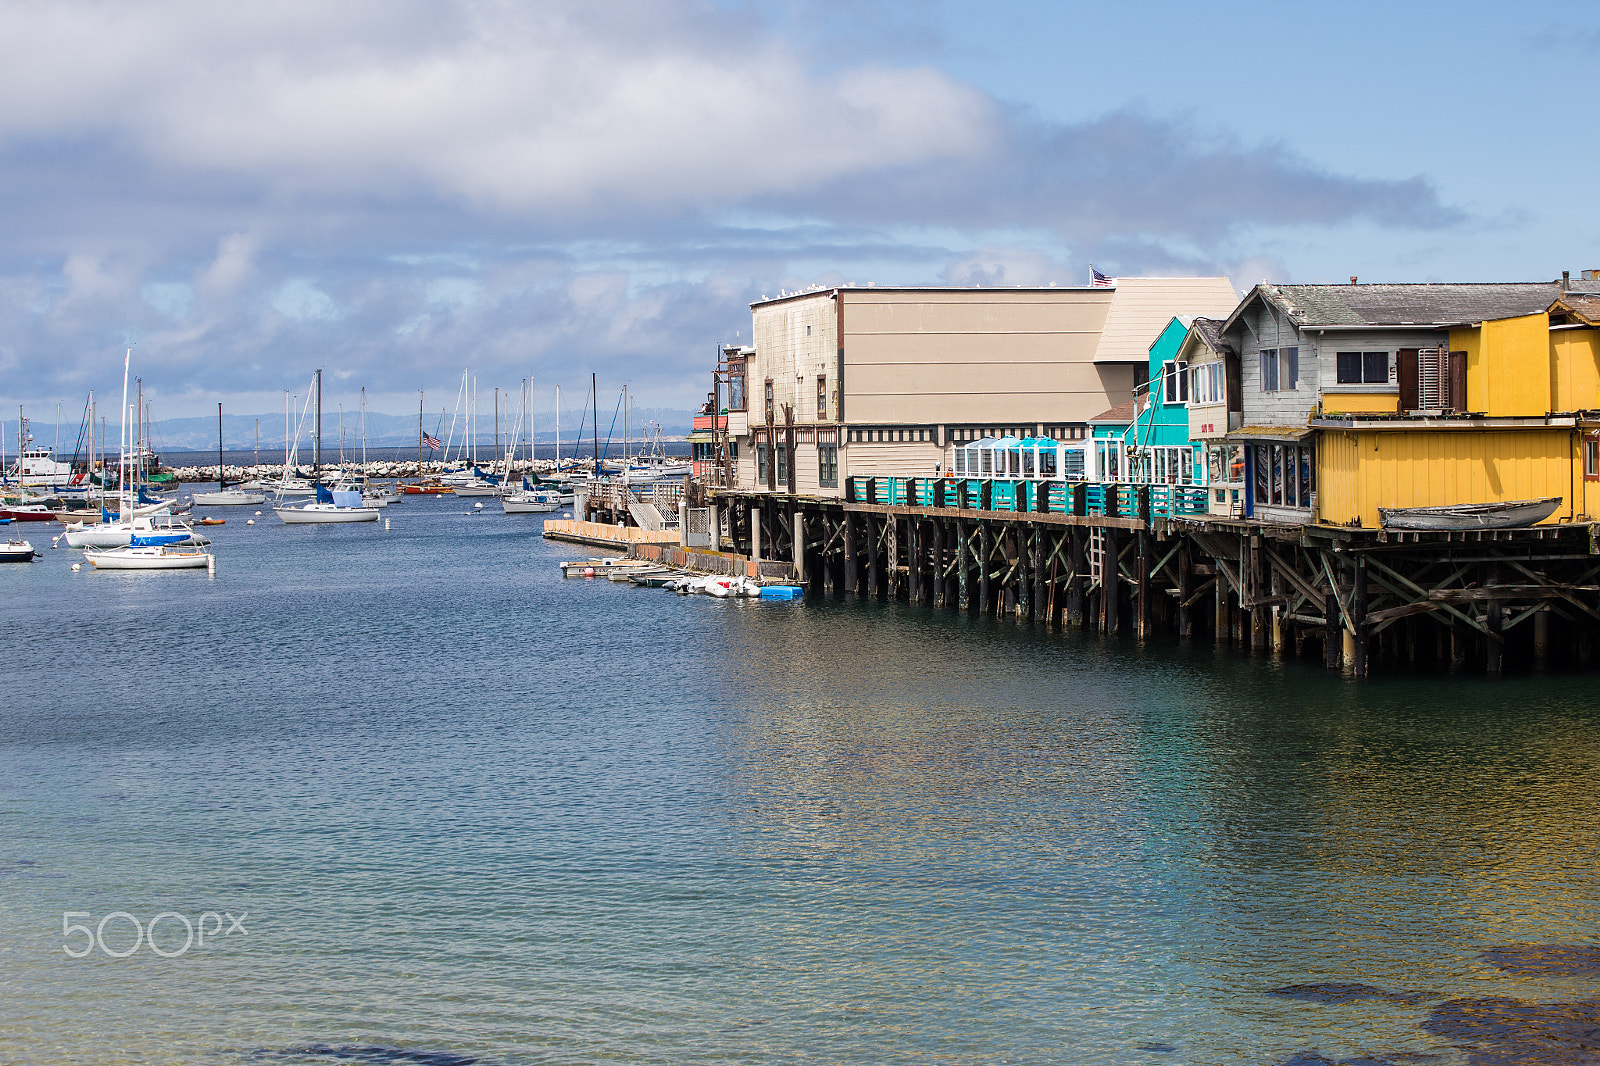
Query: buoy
[[588, 571], [386, 525], [249, 521], [211, 564], [76, 567], [258, 514], [55, 542], [477, 507]]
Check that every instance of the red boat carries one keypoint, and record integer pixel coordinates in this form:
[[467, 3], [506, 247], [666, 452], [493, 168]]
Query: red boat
[[426, 490], [27, 512]]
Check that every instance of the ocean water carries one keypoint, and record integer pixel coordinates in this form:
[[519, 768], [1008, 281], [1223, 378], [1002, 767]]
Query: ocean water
[[431, 803]]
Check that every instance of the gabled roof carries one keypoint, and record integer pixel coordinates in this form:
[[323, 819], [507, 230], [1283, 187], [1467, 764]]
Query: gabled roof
[[1209, 332], [1584, 306], [1141, 308], [1435, 305]]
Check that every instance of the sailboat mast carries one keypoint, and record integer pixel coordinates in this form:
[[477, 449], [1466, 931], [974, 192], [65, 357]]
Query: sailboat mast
[[122, 443], [419, 434], [363, 431], [497, 423], [316, 455], [255, 471], [222, 477], [594, 400], [558, 431]]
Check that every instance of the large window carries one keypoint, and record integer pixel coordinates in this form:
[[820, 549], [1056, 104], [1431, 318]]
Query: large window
[[1362, 368], [1285, 474], [828, 465], [822, 398], [761, 462], [1207, 384], [1280, 369], [1175, 383], [782, 452], [736, 385]]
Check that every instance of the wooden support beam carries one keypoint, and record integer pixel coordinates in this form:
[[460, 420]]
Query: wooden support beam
[[1185, 579], [852, 564], [963, 569], [1078, 566], [1142, 618], [1332, 632], [941, 584], [983, 565], [1036, 603], [1110, 584], [1358, 608]]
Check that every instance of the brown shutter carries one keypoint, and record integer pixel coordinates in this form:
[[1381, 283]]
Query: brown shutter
[[1458, 381], [1405, 372], [1230, 364]]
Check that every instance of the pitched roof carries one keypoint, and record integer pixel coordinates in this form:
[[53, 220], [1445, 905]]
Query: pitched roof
[[1141, 308], [1124, 412], [1584, 305], [1210, 331], [1405, 304]]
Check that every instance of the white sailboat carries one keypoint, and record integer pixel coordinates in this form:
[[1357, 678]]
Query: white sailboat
[[328, 508], [156, 551], [225, 497]]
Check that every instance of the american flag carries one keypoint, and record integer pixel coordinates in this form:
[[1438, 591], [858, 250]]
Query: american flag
[[432, 442], [1101, 281]]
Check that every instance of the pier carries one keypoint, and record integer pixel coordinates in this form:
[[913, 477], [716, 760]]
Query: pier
[[1134, 559]]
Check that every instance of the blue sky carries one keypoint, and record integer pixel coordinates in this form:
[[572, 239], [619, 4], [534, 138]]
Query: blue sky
[[394, 190]]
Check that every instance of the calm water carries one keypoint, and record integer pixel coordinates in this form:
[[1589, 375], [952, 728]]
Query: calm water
[[475, 813]]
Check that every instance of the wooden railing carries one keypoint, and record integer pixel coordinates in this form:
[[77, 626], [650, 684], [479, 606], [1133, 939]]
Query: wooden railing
[[1037, 497]]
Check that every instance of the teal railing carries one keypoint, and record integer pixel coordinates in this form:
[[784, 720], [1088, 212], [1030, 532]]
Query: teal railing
[[1037, 497]]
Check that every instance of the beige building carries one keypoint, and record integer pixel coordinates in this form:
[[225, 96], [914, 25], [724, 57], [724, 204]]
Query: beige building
[[881, 382]]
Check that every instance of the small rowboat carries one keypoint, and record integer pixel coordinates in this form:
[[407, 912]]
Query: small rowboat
[[1512, 514], [212, 522]]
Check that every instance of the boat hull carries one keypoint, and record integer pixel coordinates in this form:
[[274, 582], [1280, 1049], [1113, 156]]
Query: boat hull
[[28, 514], [1515, 514], [229, 499], [147, 559], [312, 514], [17, 551], [518, 505]]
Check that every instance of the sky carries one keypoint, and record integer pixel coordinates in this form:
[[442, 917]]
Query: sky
[[395, 190]]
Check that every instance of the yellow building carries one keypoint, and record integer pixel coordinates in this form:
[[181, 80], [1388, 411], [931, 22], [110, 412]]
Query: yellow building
[[1506, 411]]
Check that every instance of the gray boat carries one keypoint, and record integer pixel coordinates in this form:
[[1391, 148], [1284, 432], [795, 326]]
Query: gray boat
[[1512, 514]]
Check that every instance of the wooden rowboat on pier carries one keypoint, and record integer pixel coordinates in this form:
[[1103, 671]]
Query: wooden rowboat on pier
[[1512, 514]]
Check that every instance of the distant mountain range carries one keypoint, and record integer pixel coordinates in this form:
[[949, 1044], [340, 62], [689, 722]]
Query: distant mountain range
[[386, 431]]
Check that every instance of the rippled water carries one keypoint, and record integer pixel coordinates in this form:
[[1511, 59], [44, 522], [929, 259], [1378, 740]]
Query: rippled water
[[476, 813]]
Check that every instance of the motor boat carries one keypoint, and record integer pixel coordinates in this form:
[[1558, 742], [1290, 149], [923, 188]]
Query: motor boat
[[229, 498]]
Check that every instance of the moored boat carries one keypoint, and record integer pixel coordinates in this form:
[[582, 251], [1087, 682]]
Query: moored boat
[[1510, 514], [17, 551], [140, 555], [329, 508]]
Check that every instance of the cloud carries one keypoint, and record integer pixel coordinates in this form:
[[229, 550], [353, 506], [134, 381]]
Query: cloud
[[408, 184]]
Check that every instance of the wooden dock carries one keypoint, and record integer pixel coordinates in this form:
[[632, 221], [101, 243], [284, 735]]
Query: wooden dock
[[1355, 598]]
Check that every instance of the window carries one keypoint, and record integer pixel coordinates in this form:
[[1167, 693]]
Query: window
[[769, 400], [1280, 369], [736, 385], [822, 398], [1207, 384], [808, 331], [1361, 368], [761, 462], [1433, 379], [1176, 383], [1591, 457], [782, 452], [1285, 475], [828, 465]]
